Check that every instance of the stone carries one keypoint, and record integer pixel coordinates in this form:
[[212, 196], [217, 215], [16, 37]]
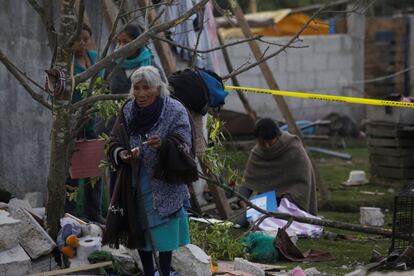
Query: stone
[[35, 199], [16, 204], [91, 229], [371, 216], [191, 260], [135, 256], [8, 233], [43, 264], [40, 212], [244, 265], [312, 271], [32, 237], [14, 262]]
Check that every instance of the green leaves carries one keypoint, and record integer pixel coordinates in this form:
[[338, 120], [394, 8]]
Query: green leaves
[[217, 240], [106, 110]]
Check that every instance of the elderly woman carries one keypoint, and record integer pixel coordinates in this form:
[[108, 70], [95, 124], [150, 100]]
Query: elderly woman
[[146, 212]]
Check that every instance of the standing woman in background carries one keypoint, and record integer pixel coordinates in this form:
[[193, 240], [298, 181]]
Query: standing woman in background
[[83, 59], [121, 71]]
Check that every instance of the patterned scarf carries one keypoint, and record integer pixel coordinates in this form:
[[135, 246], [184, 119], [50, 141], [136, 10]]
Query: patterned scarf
[[143, 119]]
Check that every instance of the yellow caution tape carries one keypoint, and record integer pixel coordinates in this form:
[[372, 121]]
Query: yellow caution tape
[[323, 97]]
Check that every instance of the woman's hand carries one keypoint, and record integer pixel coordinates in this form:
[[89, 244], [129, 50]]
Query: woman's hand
[[154, 141], [127, 156]]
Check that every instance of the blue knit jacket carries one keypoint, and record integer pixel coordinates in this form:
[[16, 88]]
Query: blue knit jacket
[[168, 198]]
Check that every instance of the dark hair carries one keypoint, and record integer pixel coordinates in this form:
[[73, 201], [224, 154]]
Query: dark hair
[[87, 28], [133, 31], [267, 129]]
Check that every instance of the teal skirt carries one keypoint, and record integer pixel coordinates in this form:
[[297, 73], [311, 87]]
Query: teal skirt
[[168, 236]]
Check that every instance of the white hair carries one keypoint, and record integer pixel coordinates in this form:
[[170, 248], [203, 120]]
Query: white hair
[[152, 76]]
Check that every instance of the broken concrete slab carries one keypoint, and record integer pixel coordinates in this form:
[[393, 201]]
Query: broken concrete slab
[[40, 212], [245, 265], [32, 237], [16, 204], [122, 257], [14, 262], [134, 254], [35, 199], [191, 260], [44, 264], [8, 233]]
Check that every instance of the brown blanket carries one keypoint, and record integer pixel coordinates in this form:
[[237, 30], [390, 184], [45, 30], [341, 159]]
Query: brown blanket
[[285, 168]]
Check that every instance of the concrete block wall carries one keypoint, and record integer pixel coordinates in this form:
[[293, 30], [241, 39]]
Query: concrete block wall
[[326, 66], [24, 124]]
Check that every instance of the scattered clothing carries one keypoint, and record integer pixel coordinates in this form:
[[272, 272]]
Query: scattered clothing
[[296, 228]]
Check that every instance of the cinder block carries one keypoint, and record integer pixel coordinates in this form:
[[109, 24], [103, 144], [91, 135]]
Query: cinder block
[[339, 61], [32, 237], [35, 199], [315, 62], [293, 63], [14, 262], [328, 44], [8, 233]]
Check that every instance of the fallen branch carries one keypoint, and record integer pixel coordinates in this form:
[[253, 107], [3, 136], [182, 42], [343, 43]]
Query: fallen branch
[[322, 222]]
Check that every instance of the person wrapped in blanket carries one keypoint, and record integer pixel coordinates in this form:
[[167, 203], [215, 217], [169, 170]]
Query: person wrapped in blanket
[[148, 212], [279, 162]]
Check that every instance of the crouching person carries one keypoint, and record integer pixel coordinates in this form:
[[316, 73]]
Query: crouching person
[[280, 163], [148, 212]]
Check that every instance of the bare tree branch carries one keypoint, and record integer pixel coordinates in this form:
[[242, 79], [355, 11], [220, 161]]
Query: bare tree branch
[[79, 24], [45, 14], [144, 8], [112, 33], [136, 43], [264, 58], [205, 51], [16, 73], [37, 8], [323, 222], [94, 99]]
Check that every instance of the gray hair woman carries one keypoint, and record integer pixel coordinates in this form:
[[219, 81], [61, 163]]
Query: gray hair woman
[[160, 222]]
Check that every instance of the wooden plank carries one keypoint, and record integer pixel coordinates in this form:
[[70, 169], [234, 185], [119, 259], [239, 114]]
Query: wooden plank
[[264, 67], [390, 151], [384, 142], [73, 269], [384, 131], [271, 82], [392, 161], [219, 196], [394, 173], [162, 48], [386, 182]]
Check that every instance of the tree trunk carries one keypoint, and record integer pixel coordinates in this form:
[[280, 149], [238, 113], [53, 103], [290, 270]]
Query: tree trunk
[[62, 121], [58, 170]]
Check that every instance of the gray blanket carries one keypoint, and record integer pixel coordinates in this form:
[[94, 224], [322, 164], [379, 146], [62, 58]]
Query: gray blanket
[[284, 168]]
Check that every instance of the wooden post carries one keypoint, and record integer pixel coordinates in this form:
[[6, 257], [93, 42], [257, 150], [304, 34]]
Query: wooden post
[[162, 48], [267, 73], [219, 196], [235, 81], [253, 6], [280, 101]]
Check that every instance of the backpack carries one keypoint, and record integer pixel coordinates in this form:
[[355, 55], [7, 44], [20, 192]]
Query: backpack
[[198, 89]]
